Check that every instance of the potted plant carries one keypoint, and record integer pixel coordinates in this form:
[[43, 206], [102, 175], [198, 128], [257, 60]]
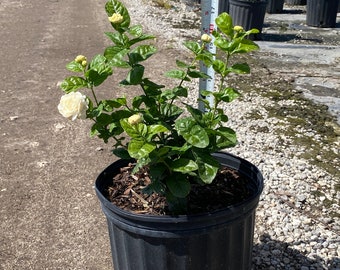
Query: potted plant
[[173, 199], [249, 14], [322, 13]]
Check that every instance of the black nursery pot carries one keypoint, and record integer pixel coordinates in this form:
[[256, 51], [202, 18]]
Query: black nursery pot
[[275, 6], [213, 241], [296, 2], [223, 6], [248, 14], [322, 13]]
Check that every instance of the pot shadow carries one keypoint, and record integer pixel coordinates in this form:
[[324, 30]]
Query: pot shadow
[[293, 11], [274, 37], [281, 255]]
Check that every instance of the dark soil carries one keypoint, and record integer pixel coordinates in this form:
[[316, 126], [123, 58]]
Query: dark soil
[[127, 192]]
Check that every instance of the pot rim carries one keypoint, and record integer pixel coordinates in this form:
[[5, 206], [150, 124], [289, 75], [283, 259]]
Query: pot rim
[[246, 168]]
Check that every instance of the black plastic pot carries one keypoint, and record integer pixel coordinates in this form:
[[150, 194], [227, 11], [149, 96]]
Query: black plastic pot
[[223, 6], [275, 6], [212, 241], [296, 2], [248, 14], [322, 13]]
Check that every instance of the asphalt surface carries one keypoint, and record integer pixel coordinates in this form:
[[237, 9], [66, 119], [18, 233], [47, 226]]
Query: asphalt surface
[[50, 217], [49, 214]]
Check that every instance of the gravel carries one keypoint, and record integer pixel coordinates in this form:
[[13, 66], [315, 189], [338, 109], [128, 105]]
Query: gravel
[[297, 226]]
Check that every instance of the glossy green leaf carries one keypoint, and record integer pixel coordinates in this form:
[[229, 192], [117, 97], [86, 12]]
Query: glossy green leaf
[[225, 24], [121, 153], [195, 47], [207, 166], [140, 38], [135, 75], [75, 67], [198, 74], [245, 46], [140, 148], [183, 165], [141, 53], [73, 83], [191, 132], [114, 6], [178, 185], [219, 66], [116, 56], [117, 38], [175, 73], [155, 129], [226, 137], [240, 68]]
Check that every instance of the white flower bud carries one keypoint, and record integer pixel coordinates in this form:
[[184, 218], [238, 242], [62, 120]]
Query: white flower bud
[[206, 38], [116, 18], [135, 119]]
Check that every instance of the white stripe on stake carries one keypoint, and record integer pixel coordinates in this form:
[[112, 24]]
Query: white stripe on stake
[[209, 13]]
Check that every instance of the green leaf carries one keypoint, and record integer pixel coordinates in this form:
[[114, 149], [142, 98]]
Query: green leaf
[[121, 153], [140, 148], [75, 66], [207, 166], [227, 138], [198, 74], [115, 56], [110, 105], [171, 111], [181, 64], [206, 57], [228, 94], [155, 129], [193, 46], [253, 31], [73, 83], [196, 114], [96, 78], [131, 130], [245, 46], [225, 24], [176, 74], [224, 44], [140, 38], [219, 66], [118, 38], [240, 68], [192, 133], [178, 91], [114, 6], [141, 53], [178, 185], [135, 75], [136, 30], [183, 165]]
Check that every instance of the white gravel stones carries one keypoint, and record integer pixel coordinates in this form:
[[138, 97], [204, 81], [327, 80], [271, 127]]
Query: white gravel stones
[[294, 228]]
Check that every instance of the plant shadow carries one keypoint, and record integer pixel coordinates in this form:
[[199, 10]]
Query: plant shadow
[[274, 254]]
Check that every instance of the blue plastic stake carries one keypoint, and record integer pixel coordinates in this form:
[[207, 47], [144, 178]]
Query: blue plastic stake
[[209, 13]]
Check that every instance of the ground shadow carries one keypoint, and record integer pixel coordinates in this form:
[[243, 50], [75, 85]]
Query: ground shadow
[[275, 37], [281, 255], [293, 11]]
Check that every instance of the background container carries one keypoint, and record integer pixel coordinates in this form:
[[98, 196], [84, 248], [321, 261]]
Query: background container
[[296, 2], [322, 13], [275, 6], [248, 14]]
